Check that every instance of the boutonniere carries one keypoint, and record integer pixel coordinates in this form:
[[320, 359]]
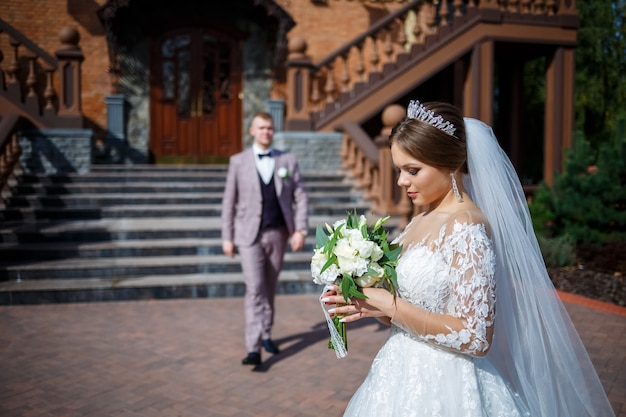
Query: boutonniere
[[283, 172]]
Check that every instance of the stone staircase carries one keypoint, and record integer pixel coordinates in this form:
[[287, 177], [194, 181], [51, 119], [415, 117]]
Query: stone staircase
[[138, 232]]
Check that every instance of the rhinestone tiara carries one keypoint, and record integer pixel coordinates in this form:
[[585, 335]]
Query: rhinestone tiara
[[417, 111]]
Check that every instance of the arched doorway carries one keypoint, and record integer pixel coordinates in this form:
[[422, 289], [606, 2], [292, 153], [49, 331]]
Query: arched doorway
[[195, 103]]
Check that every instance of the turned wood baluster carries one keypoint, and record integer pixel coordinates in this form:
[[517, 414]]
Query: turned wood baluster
[[349, 157], [49, 93], [14, 67], [444, 12], [315, 90], [567, 7], [513, 6], [458, 5], [488, 4], [551, 5], [345, 73], [401, 39], [430, 19], [360, 65], [388, 46], [525, 4], [31, 79], [374, 57], [418, 32], [366, 177], [329, 88]]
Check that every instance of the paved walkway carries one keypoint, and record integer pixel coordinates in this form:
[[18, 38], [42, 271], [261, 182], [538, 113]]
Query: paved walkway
[[181, 358]]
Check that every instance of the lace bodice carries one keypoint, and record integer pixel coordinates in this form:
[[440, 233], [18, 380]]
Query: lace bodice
[[452, 274]]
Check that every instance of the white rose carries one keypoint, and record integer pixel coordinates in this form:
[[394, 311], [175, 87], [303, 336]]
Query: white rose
[[354, 266], [343, 249], [317, 263], [374, 274], [364, 247], [377, 252], [339, 223], [365, 281], [283, 172]]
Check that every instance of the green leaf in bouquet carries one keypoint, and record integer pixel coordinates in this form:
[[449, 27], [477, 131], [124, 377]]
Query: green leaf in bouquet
[[352, 220], [364, 232], [350, 289], [392, 278], [392, 254], [332, 259], [380, 222], [320, 237]]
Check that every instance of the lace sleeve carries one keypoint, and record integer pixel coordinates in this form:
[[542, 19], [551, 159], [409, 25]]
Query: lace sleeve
[[465, 322]]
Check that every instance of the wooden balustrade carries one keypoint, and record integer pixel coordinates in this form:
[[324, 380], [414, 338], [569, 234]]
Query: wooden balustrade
[[368, 162], [29, 88], [9, 147], [347, 71]]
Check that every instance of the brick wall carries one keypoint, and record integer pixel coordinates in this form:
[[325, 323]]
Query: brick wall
[[41, 20], [325, 27], [328, 26]]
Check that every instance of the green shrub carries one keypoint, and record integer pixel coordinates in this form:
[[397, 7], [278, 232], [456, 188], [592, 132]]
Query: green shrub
[[557, 251], [588, 201]]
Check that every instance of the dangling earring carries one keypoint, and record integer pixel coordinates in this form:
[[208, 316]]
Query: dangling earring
[[457, 194]]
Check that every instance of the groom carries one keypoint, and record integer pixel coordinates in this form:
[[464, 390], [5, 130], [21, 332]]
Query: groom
[[265, 204]]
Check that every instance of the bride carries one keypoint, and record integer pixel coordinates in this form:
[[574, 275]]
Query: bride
[[477, 328]]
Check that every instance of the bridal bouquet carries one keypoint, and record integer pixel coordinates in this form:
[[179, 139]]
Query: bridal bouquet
[[353, 255]]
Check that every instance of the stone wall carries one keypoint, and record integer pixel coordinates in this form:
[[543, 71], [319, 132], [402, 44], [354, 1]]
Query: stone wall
[[317, 152], [54, 151]]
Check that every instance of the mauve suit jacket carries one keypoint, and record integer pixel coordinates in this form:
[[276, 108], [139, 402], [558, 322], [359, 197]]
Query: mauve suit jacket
[[243, 201]]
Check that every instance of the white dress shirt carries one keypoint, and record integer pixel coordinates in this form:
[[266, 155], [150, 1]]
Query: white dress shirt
[[265, 166]]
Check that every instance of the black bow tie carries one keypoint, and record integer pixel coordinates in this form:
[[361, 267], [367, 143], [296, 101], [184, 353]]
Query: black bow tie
[[263, 155]]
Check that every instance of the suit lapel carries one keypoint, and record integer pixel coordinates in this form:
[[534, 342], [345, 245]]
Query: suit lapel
[[278, 181], [254, 178]]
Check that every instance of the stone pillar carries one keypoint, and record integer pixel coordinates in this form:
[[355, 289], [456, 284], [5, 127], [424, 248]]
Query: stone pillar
[[70, 58], [298, 84], [115, 115], [116, 127], [277, 110]]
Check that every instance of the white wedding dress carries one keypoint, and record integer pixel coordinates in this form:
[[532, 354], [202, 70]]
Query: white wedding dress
[[439, 375]]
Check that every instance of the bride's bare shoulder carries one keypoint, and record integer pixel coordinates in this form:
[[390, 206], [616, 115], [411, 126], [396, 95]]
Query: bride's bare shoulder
[[470, 215]]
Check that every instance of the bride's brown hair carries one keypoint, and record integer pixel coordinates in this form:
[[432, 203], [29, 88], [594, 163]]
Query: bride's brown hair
[[430, 144]]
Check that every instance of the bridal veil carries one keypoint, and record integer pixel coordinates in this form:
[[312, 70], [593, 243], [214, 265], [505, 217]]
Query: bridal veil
[[535, 347]]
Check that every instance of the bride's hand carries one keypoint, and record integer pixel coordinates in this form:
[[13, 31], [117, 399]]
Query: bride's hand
[[379, 303], [331, 296]]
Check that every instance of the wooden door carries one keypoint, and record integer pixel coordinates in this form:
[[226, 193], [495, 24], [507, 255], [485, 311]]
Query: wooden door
[[195, 104]]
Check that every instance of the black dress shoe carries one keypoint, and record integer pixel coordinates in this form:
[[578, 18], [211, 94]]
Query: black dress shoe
[[253, 358], [270, 346]]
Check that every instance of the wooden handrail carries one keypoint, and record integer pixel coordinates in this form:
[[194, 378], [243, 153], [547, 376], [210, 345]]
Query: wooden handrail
[[372, 30], [28, 44], [337, 81], [23, 89], [368, 161]]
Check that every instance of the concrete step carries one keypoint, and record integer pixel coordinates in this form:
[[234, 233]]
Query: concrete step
[[78, 268], [18, 215], [24, 253], [144, 287], [24, 189], [129, 232], [127, 198]]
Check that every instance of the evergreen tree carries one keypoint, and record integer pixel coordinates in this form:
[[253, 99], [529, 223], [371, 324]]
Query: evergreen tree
[[588, 201], [600, 69]]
